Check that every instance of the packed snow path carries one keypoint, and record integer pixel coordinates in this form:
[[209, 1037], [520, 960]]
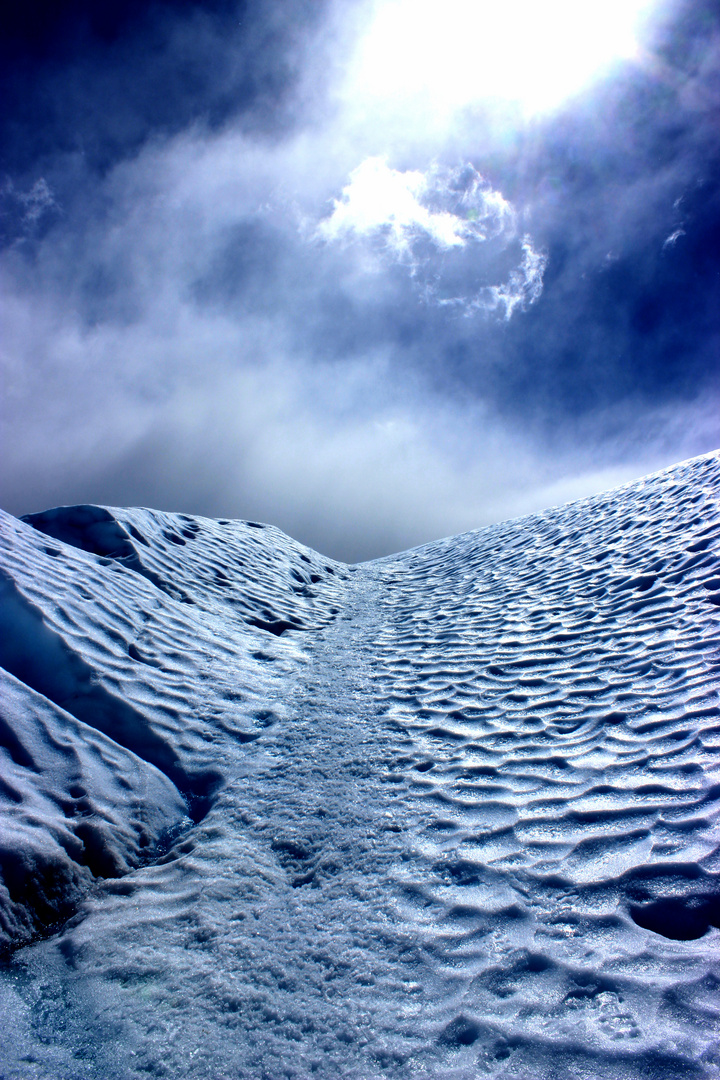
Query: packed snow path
[[447, 814]]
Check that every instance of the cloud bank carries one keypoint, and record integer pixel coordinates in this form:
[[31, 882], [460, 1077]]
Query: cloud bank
[[284, 311]]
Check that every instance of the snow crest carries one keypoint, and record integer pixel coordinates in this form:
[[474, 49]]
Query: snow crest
[[449, 814]]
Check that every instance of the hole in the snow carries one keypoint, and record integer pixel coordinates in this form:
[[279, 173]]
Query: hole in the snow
[[680, 919], [276, 626], [460, 1032], [173, 537]]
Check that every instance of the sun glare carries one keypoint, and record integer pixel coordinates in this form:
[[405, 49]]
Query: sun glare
[[533, 53]]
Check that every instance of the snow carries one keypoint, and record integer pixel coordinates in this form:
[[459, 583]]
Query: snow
[[451, 813]]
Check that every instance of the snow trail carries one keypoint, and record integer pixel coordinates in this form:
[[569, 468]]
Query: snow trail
[[452, 813]]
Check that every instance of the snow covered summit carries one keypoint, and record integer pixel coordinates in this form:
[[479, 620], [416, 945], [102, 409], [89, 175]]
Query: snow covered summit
[[451, 813]]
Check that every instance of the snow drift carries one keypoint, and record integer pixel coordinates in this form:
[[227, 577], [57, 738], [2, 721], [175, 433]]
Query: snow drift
[[448, 814]]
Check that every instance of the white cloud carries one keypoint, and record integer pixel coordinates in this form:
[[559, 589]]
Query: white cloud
[[673, 238], [404, 206], [524, 284], [422, 219]]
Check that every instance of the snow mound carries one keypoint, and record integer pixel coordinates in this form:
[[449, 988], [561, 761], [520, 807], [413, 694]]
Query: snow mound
[[452, 813], [251, 570], [75, 806]]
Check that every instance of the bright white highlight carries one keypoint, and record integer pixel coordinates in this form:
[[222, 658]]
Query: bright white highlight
[[381, 198], [400, 205], [457, 52]]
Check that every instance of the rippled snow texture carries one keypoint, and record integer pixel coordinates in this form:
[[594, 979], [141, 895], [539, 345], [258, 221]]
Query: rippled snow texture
[[448, 814]]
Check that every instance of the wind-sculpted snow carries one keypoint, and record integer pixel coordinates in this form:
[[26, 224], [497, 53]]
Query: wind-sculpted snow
[[75, 805], [448, 814]]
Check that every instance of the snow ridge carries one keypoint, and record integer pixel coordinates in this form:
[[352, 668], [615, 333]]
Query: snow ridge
[[448, 814]]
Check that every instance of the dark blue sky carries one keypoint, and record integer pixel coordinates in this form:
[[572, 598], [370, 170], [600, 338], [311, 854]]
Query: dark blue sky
[[239, 279]]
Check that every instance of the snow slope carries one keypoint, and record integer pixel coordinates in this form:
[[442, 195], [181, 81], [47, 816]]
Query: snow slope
[[448, 814]]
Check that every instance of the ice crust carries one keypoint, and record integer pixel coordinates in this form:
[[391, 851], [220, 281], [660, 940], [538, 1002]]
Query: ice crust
[[452, 813]]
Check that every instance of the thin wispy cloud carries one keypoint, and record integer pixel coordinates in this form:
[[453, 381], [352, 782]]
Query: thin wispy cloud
[[673, 238], [522, 288], [23, 211]]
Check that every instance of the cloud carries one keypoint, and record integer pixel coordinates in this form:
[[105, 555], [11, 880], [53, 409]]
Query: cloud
[[422, 219], [23, 212], [189, 410], [522, 288], [265, 321], [448, 207], [673, 238], [37, 201], [215, 402]]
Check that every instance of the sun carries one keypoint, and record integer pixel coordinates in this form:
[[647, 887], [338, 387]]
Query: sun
[[453, 53]]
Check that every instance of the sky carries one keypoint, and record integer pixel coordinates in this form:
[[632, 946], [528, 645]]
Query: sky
[[374, 271]]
